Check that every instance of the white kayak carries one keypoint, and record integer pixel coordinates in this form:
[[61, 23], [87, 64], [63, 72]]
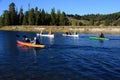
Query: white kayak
[[71, 35], [45, 35]]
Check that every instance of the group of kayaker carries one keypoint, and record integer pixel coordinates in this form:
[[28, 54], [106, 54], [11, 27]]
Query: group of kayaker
[[36, 41]]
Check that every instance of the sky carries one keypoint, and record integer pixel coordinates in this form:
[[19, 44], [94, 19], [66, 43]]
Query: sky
[[80, 7]]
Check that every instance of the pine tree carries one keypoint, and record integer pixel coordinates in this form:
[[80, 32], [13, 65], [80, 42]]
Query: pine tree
[[58, 18], [13, 14], [47, 19], [1, 21], [31, 17], [21, 16], [25, 18], [53, 17], [63, 19], [43, 17], [37, 16], [6, 17]]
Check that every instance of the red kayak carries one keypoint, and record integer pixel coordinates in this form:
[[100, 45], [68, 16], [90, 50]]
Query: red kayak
[[30, 45]]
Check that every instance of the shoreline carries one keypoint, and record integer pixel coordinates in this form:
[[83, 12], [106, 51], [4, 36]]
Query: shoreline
[[78, 29]]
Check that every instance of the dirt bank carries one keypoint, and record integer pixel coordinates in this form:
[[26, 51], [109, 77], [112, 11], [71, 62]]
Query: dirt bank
[[79, 29]]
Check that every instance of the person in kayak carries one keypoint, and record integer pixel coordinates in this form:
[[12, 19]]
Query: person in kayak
[[41, 32], [27, 40], [35, 41], [50, 33], [101, 35], [66, 33]]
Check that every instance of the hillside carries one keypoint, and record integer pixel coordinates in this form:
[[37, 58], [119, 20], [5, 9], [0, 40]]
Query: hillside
[[95, 19]]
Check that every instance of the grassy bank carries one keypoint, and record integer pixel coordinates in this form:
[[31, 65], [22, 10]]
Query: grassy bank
[[79, 29]]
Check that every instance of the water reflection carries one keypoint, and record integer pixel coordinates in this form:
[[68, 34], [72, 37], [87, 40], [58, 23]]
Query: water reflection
[[48, 40], [32, 51], [23, 48], [93, 56], [51, 40], [101, 41], [35, 56]]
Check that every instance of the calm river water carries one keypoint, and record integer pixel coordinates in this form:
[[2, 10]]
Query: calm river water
[[64, 58]]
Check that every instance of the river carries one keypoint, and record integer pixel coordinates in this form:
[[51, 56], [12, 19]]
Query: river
[[63, 58]]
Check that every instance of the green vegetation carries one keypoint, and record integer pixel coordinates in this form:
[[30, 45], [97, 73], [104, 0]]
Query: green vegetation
[[32, 17], [35, 16], [96, 19]]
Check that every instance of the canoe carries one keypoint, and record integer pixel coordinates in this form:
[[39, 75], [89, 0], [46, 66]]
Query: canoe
[[45, 35], [72, 35], [97, 38], [30, 45]]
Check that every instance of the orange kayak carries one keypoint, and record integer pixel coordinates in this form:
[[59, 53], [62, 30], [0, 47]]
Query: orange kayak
[[30, 45]]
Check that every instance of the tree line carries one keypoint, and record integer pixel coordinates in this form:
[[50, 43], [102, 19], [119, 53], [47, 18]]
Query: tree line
[[33, 16]]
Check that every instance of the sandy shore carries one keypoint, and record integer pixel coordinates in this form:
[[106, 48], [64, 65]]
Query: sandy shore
[[79, 29]]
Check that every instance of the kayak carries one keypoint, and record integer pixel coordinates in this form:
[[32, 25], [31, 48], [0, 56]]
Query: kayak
[[30, 45], [45, 35], [72, 35], [97, 38]]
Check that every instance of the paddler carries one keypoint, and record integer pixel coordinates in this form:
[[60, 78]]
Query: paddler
[[101, 35], [50, 33], [35, 41]]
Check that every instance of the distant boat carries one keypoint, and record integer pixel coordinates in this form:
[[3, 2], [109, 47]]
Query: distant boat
[[50, 34], [45, 35], [71, 35]]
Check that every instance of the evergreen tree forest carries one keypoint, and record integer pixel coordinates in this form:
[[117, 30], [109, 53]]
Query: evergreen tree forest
[[35, 16]]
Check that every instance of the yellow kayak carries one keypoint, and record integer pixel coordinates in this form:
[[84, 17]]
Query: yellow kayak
[[30, 45]]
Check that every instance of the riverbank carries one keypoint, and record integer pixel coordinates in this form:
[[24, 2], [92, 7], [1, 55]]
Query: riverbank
[[79, 29]]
